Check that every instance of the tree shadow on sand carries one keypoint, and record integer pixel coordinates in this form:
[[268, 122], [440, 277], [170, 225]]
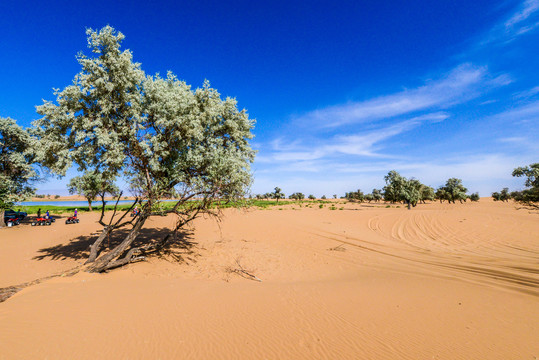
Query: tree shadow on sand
[[179, 248]]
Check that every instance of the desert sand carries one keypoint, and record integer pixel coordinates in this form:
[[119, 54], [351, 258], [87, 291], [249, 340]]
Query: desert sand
[[366, 282]]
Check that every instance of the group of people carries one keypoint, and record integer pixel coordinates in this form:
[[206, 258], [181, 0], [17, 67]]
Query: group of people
[[48, 215]]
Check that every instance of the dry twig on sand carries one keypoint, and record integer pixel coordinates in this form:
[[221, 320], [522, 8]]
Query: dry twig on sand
[[338, 248], [244, 273]]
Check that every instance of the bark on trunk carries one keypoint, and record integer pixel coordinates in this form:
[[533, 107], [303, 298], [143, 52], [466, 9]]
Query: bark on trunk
[[94, 249], [89, 204], [104, 262], [2, 222]]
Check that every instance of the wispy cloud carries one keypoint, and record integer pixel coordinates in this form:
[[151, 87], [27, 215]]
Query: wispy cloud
[[463, 83], [522, 21], [522, 113], [359, 144], [528, 8], [527, 93]]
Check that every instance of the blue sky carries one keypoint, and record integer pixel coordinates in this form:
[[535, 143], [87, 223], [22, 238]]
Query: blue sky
[[342, 93]]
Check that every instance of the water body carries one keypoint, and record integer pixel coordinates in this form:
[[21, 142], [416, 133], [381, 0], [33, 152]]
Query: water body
[[78, 203], [71, 203]]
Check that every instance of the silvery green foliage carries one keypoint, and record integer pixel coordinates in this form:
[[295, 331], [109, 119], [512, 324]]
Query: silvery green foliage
[[16, 159], [158, 131], [91, 185], [454, 190], [398, 188], [530, 195]]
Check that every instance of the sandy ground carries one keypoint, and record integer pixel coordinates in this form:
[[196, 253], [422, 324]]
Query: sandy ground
[[365, 282]]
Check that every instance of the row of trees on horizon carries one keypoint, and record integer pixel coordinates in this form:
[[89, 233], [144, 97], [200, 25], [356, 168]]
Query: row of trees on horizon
[[399, 189]]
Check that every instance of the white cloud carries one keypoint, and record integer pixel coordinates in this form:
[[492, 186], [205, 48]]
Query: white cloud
[[463, 83], [528, 8], [522, 21], [523, 113], [527, 93], [361, 144]]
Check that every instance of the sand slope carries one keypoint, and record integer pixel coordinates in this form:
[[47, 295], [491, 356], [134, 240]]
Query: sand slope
[[438, 282]]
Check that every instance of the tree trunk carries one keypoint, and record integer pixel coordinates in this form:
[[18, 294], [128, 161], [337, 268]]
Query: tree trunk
[[94, 249], [108, 260], [2, 222], [89, 204]]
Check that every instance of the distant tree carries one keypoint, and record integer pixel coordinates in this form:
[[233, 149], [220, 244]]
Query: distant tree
[[91, 185], [503, 195], [377, 195], [440, 194], [530, 195], [355, 196], [56, 196], [369, 198], [474, 197], [323, 197], [17, 154], [297, 196], [277, 194], [312, 197], [410, 193], [426, 193], [334, 196], [394, 187], [454, 190]]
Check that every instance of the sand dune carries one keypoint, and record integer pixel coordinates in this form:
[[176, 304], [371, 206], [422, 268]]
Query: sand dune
[[366, 282]]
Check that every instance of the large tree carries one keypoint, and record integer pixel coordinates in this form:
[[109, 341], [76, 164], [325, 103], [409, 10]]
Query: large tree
[[16, 170], [91, 185], [161, 134]]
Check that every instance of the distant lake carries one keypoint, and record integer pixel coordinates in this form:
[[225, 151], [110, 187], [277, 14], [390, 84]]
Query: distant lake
[[79, 203]]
